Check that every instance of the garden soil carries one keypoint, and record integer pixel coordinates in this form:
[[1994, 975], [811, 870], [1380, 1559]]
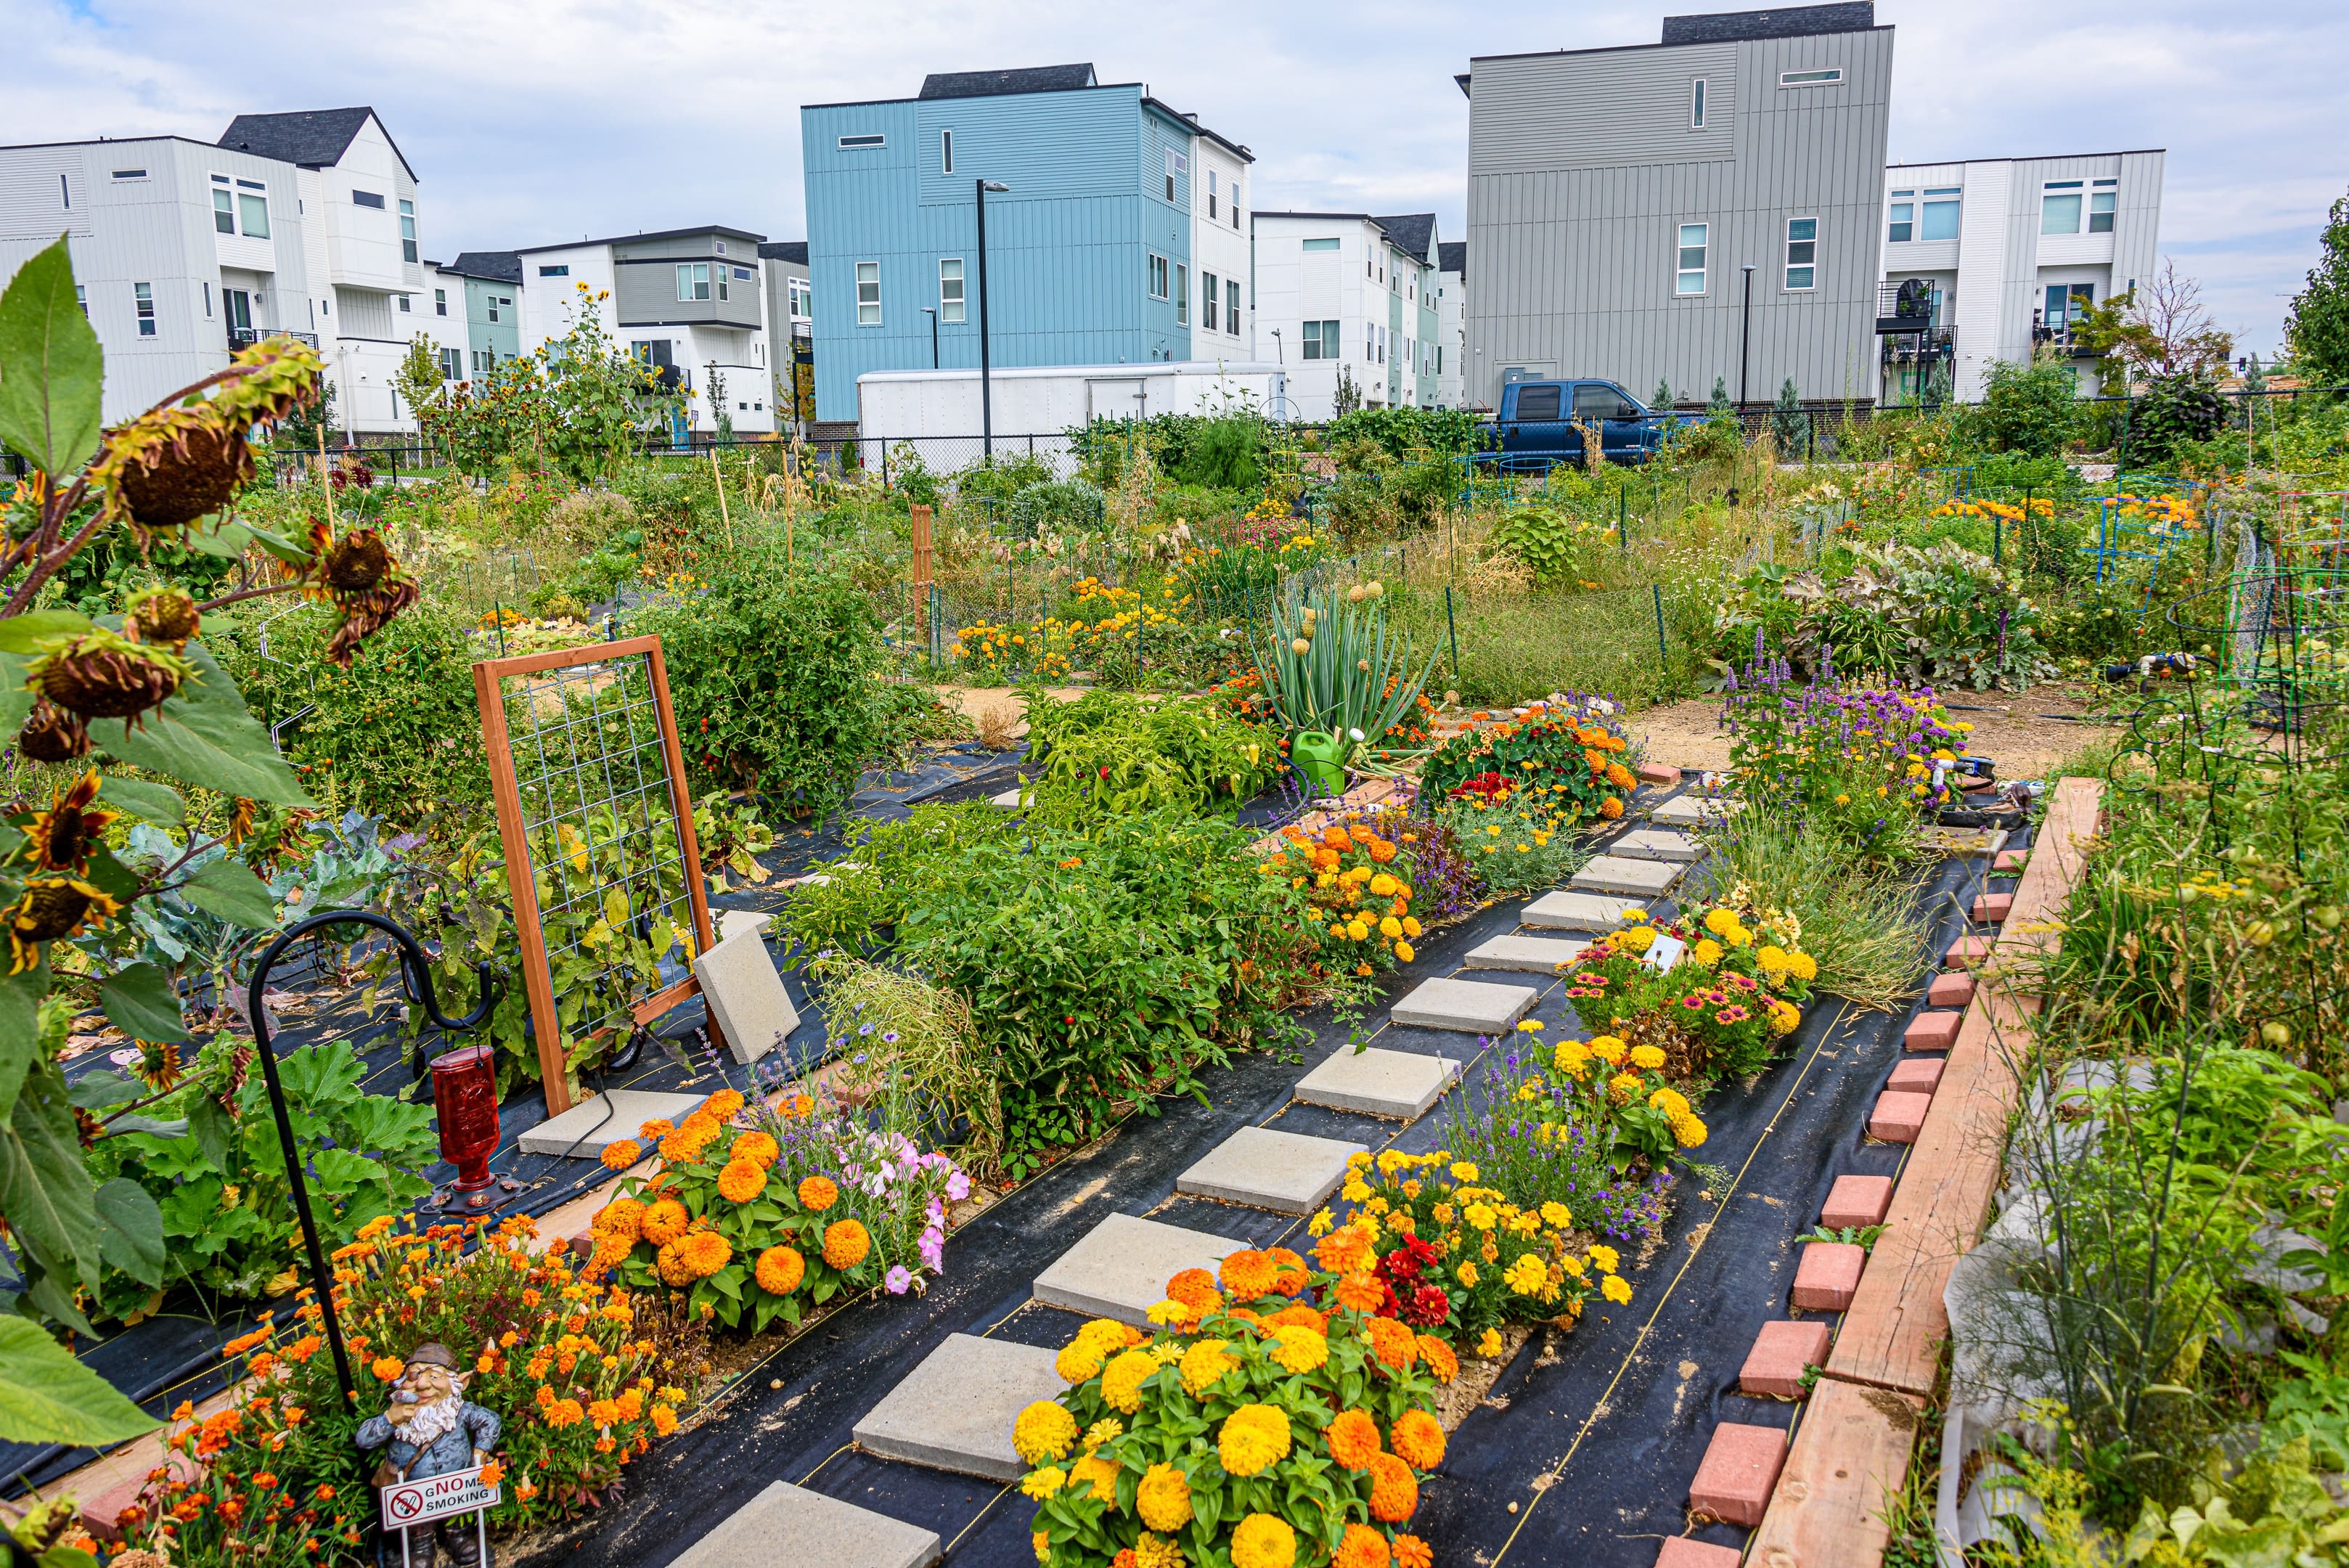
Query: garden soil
[[2016, 729]]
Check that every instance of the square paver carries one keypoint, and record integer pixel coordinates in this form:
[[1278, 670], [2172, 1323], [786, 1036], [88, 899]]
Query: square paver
[[1932, 1031], [746, 995], [1471, 1006], [1682, 1552], [1898, 1117], [1990, 909], [786, 1524], [1009, 800], [1781, 1352], [956, 1410], [1657, 774], [597, 1123], [1397, 1083], [1656, 844], [1120, 1268], [1693, 810], [1738, 1471], [1919, 1076], [1264, 1167], [1856, 1202], [1564, 911], [1616, 874], [732, 921], [1827, 1275], [1952, 990], [1527, 955]]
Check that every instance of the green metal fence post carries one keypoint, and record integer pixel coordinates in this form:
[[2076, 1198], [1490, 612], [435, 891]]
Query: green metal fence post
[[1622, 520], [1663, 654], [1452, 628]]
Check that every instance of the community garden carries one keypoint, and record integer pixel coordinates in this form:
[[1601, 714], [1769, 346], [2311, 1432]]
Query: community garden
[[1255, 1064]]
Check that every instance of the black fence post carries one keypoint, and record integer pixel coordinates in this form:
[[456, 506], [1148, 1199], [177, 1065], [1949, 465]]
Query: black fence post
[[1663, 653], [1452, 628]]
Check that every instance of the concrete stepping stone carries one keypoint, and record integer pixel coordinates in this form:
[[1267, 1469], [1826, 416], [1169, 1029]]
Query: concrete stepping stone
[[1898, 1117], [1264, 1167], [603, 1120], [1920, 1075], [1620, 874], [1009, 800], [1401, 1085], [1856, 1202], [1683, 1551], [1120, 1268], [956, 1410], [1990, 909], [1693, 810], [1774, 1367], [746, 996], [1827, 1275], [1657, 844], [1527, 955], [1564, 911], [1471, 1006], [1932, 1031], [786, 1524], [1952, 990], [1738, 1473], [731, 922]]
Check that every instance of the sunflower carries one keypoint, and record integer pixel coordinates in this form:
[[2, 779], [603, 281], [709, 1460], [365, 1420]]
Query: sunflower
[[51, 908], [60, 839]]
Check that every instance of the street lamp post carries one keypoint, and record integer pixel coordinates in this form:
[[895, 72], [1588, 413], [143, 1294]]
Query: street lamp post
[[1746, 340], [933, 315], [986, 367]]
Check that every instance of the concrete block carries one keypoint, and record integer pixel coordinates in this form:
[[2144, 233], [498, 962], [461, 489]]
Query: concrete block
[[1738, 1471], [1680, 1551], [1932, 1031], [1693, 810], [1773, 1367], [1263, 1168], [786, 1524], [1009, 800], [1827, 1275], [1563, 911], [956, 1410], [1856, 1202], [1898, 1117], [1401, 1085], [1990, 909], [1952, 990], [1919, 1076], [604, 1120], [731, 922], [1618, 874], [1656, 774], [746, 995], [1967, 952], [1657, 844], [1471, 1006], [2008, 861], [1527, 955], [1120, 1268]]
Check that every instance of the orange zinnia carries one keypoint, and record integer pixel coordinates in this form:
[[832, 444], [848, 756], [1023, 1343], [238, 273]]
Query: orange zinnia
[[1353, 1439]]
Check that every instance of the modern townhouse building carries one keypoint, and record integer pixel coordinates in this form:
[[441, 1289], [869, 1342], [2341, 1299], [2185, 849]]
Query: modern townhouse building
[[1105, 210], [491, 297], [1346, 303], [183, 251], [1704, 207], [1452, 320], [1992, 259], [691, 303], [791, 328]]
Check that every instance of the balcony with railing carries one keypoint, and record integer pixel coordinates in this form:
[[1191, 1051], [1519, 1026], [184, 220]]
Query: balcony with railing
[[1913, 306], [246, 337], [2065, 337]]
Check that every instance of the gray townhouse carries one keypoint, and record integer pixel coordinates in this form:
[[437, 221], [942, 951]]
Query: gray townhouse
[[1707, 206]]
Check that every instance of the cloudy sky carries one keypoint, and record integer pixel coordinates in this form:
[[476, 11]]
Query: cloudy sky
[[532, 120]]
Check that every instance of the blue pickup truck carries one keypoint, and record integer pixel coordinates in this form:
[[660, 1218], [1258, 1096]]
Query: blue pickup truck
[[1537, 425]]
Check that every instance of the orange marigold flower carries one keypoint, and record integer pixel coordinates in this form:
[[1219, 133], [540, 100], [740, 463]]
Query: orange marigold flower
[[1360, 1291], [1299, 1316], [621, 1155], [1192, 1287], [1410, 1552], [722, 1104], [1353, 1439], [780, 1271], [656, 1129], [1391, 1343], [1418, 1440], [1343, 1251], [1610, 809], [1289, 1277], [664, 1420], [1394, 1490], [564, 1413], [665, 1221], [1440, 1358], [671, 1263], [758, 1147], [845, 1244], [1362, 1548], [817, 1194], [1381, 850], [704, 1253], [742, 1181], [1246, 1275]]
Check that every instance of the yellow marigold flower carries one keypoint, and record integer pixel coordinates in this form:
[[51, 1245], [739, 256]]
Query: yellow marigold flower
[[1122, 1380], [1319, 1225], [1253, 1438], [1573, 1265], [1719, 922], [1671, 1102], [1623, 1085], [1804, 967], [1466, 1272], [1390, 928], [1044, 1430], [1463, 1171], [1043, 1484], [1298, 1349], [1164, 1499], [1772, 958], [1688, 1132], [1647, 1058], [1608, 1049], [1404, 952], [1615, 1289], [1556, 1215], [1205, 1363], [1355, 1192], [1490, 1345], [1605, 1256], [1481, 1216], [1527, 1277], [1098, 1472], [1707, 951], [1384, 886], [1168, 1312]]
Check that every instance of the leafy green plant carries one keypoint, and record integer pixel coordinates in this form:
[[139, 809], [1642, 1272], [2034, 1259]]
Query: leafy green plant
[[1110, 754], [2028, 409], [1330, 663], [1556, 547], [915, 1046]]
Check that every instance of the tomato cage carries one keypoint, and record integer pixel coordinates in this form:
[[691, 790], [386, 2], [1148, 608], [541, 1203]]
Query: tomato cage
[[2146, 517]]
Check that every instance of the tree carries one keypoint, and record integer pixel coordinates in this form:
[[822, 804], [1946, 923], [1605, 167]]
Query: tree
[[1787, 426], [1350, 396], [1718, 404], [1664, 398], [2167, 330], [2318, 327], [2028, 409], [417, 378]]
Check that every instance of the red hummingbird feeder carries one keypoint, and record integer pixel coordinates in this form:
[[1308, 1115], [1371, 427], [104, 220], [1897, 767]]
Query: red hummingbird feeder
[[465, 1094]]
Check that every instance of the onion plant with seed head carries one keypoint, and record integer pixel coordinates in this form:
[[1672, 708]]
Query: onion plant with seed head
[[1333, 663]]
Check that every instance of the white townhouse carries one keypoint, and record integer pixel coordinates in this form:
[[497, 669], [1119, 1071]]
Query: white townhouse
[[1224, 324], [1348, 296], [1452, 320]]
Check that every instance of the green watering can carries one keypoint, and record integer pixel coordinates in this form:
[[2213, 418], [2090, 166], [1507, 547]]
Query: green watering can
[[1321, 757]]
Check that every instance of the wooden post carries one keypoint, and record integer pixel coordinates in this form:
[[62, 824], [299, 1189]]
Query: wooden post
[[719, 474], [922, 555]]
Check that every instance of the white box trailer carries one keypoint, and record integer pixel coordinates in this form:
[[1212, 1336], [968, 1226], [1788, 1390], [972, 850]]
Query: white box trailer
[[936, 412]]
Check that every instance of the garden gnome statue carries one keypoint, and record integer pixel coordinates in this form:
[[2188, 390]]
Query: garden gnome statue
[[432, 1431]]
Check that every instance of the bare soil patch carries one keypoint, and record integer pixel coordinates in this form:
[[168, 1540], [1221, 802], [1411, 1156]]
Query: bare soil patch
[[2014, 729]]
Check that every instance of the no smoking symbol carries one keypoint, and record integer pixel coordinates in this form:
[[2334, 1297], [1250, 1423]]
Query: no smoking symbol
[[407, 1505]]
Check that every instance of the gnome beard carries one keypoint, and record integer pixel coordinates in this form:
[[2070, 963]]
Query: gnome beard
[[433, 1421]]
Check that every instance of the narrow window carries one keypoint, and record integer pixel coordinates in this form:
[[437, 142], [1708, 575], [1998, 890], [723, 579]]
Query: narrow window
[[408, 230], [1689, 278], [868, 294], [367, 199], [1322, 245], [403, 304], [1231, 306], [1158, 289], [1211, 202], [1809, 78], [1182, 295], [453, 365], [440, 302], [64, 192], [1942, 211], [945, 151], [950, 295], [1211, 294], [1170, 174], [1902, 225], [1802, 253], [2104, 199], [721, 284], [692, 281], [1696, 104], [561, 271], [2059, 207], [208, 301], [223, 213], [493, 306], [81, 297], [130, 173], [857, 141], [253, 214], [144, 294]]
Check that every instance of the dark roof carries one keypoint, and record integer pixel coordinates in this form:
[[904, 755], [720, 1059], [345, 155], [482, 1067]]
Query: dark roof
[[655, 235], [990, 83], [505, 266], [785, 250], [1788, 22], [1453, 256], [1191, 122], [308, 138], [1414, 232]]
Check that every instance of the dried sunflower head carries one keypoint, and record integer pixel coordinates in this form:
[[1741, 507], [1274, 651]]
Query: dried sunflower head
[[359, 577], [99, 674], [165, 469], [161, 614], [53, 734], [48, 908]]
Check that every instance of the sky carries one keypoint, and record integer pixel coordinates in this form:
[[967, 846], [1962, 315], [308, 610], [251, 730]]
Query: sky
[[530, 122]]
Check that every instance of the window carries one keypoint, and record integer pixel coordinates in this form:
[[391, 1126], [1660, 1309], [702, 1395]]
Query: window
[[1182, 295], [858, 141], [1809, 78], [950, 297], [868, 294], [561, 271], [945, 151], [1158, 289], [1369, 344], [1941, 214], [1231, 306], [741, 275], [251, 185], [2102, 202], [208, 301], [1539, 402], [797, 291], [130, 173], [408, 230], [81, 297], [1177, 167], [1211, 294], [223, 213], [1802, 252], [1211, 202], [1689, 278], [367, 199], [2067, 302], [403, 304], [692, 281], [440, 302], [1696, 104], [64, 193], [1900, 227], [452, 364], [144, 296], [1321, 341], [2059, 207], [1236, 209], [253, 214], [721, 284], [1597, 400], [1321, 244], [497, 301]]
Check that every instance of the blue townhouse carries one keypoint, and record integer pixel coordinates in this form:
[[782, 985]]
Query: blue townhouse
[[1122, 237]]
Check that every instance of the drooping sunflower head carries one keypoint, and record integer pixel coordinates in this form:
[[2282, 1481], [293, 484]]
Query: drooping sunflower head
[[99, 674], [48, 908], [161, 614], [60, 839], [53, 734]]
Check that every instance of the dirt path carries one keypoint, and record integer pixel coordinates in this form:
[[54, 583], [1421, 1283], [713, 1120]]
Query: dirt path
[[2010, 728]]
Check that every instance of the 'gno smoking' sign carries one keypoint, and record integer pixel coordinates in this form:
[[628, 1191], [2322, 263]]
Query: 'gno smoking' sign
[[428, 1498]]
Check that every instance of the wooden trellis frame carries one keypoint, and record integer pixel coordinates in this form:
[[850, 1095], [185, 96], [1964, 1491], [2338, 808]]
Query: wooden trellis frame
[[544, 793]]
